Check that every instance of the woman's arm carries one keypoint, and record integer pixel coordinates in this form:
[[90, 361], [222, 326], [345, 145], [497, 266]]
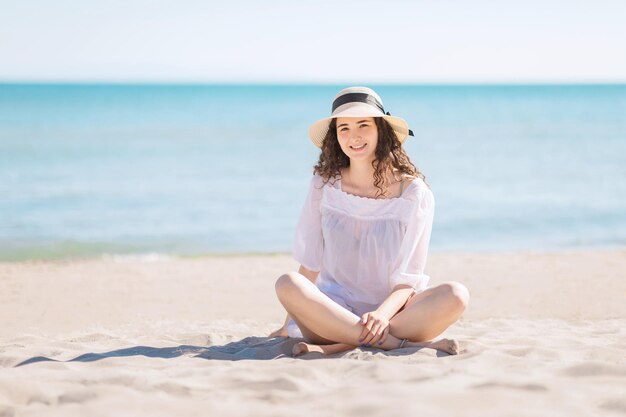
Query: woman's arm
[[311, 275], [395, 301], [376, 323]]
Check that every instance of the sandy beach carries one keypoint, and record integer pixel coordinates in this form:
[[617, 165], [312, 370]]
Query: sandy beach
[[544, 334]]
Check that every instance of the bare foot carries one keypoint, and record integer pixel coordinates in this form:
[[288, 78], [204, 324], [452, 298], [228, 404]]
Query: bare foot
[[301, 348], [450, 346]]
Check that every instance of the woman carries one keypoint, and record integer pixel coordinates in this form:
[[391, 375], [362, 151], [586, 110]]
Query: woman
[[362, 241]]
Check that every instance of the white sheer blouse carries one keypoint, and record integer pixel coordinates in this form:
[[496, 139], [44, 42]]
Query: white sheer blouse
[[364, 247]]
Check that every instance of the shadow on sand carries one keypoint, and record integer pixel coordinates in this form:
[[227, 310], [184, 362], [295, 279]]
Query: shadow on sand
[[250, 348]]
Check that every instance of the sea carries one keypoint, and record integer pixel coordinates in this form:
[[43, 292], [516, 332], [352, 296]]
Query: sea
[[92, 170]]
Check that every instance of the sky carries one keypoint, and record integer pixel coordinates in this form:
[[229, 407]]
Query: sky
[[236, 41]]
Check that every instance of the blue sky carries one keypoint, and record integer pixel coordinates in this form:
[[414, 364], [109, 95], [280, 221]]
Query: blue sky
[[313, 41]]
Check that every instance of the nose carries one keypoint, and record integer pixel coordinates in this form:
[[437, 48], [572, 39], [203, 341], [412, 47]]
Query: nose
[[355, 135]]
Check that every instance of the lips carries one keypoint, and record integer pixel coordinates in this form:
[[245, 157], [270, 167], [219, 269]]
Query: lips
[[358, 149]]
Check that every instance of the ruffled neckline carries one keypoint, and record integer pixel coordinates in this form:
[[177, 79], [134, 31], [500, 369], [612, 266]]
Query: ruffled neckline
[[355, 197]]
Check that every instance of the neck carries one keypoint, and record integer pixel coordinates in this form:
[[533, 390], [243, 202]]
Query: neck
[[361, 174]]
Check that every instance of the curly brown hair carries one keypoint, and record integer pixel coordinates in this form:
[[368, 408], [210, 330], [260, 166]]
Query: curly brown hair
[[390, 156]]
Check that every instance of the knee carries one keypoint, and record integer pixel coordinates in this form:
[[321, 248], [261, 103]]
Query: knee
[[286, 285], [457, 294]]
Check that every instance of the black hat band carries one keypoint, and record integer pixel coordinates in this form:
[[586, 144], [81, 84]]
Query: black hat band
[[357, 97]]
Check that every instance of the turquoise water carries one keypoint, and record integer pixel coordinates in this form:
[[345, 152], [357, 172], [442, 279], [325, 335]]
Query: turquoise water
[[87, 170]]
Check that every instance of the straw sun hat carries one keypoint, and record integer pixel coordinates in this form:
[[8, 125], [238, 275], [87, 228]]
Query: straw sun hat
[[358, 102]]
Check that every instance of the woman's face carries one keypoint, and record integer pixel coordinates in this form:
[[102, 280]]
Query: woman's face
[[358, 137]]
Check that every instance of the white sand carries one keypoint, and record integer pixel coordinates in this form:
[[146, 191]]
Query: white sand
[[544, 335]]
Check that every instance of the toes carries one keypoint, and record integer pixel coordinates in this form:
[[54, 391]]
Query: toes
[[451, 346], [454, 347]]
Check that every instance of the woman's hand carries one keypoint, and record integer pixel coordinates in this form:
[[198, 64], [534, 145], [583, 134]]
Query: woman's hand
[[375, 328], [282, 332]]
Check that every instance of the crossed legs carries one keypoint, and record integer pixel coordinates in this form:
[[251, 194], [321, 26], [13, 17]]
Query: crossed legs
[[329, 328]]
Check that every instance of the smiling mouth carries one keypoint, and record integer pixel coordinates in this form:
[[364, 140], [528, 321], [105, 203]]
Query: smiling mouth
[[358, 148]]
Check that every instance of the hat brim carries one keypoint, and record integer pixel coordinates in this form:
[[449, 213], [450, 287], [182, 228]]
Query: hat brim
[[318, 130]]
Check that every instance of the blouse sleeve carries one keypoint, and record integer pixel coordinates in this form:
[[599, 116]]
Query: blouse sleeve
[[308, 245], [411, 261]]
